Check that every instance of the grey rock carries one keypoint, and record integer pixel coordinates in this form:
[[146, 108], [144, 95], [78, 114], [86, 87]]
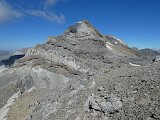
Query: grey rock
[[157, 59], [104, 103]]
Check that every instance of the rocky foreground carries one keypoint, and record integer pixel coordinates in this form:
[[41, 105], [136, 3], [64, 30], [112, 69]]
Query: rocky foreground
[[81, 75]]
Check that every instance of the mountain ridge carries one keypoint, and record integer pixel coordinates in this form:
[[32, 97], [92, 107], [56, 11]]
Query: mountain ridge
[[80, 75]]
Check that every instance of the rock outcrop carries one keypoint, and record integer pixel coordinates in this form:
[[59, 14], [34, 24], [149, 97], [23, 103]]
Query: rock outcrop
[[156, 59]]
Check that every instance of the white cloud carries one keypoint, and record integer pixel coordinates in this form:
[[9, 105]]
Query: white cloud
[[51, 16], [50, 2], [7, 13]]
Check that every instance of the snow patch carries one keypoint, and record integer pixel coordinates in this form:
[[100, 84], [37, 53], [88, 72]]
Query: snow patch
[[80, 22], [135, 65], [5, 109], [31, 89], [119, 40], [116, 42], [108, 45]]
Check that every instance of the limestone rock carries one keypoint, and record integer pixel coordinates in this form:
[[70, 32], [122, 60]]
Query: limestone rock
[[104, 103], [157, 59]]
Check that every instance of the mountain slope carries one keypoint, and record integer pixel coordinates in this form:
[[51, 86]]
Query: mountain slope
[[80, 74]]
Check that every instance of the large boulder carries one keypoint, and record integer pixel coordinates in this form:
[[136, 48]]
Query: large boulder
[[156, 59], [104, 103]]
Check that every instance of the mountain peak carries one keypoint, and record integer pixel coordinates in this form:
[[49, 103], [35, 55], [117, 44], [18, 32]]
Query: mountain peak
[[82, 29], [86, 22]]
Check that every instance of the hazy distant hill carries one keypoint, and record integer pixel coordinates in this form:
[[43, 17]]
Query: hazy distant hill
[[4, 54], [158, 50], [148, 52]]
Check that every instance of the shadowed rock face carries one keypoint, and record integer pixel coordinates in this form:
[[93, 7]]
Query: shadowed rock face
[[156, 59], [81, 75], [11, 60]]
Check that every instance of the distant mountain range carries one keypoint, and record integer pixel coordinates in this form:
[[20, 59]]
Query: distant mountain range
[[4, 54], [7, 58], [148, 52], [158, 50]]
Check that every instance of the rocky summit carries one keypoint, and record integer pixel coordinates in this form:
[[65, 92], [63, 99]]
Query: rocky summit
[[81, 75]]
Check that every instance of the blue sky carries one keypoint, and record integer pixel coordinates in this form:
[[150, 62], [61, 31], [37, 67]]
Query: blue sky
[[25, 23]]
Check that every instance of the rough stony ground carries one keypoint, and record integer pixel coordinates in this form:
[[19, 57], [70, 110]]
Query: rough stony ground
[[81, 75], [132, 93]]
